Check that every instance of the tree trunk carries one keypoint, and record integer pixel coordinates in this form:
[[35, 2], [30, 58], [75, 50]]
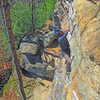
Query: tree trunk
[[8, 28], [45, 5], [29, 3], [33, 16]]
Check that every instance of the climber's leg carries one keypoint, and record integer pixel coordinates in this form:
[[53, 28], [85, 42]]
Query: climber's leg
[[67, 58], [67, 61], [68, 68]]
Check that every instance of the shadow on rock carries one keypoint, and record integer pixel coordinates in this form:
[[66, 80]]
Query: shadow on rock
[[34, 73], [33, 58]]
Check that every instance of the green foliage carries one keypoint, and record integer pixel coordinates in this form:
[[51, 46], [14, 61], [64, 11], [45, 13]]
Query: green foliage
[[4, 41], [21, 20], [50, 4], [4, 45], [11, 84], [44, 12], [21, 15]]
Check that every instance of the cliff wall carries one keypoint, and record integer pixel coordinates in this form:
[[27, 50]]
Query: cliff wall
[[85, 47]]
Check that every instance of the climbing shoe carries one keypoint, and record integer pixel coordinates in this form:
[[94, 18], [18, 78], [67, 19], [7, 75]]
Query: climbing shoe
[[67, 80], [67, 73], [68, 70]]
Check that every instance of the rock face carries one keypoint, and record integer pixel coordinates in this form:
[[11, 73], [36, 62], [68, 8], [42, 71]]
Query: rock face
[[41, 92], [85, 47], [84, 39]]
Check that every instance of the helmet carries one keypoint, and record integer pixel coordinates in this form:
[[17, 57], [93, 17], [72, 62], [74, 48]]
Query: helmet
[[56, 32]]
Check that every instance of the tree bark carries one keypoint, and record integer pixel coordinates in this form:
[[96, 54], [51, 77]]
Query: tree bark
[[45, 5], [33, 16], [8, 28], [29, 3]]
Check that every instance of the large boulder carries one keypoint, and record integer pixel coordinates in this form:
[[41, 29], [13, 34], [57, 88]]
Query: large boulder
[[31, 52]]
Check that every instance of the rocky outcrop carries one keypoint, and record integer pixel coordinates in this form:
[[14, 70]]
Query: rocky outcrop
[[57, 90], [85, 48], [84, 44], [42, 91], [32, 51]]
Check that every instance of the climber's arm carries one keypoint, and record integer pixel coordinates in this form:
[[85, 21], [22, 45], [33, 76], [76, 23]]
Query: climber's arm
[[65, 34], [67, 30], [60, 38]]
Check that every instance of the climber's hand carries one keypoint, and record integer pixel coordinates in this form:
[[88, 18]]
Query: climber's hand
[[67, 58], [68, 30]]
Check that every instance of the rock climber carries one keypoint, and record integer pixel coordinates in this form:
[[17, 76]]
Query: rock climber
[[65, 49]]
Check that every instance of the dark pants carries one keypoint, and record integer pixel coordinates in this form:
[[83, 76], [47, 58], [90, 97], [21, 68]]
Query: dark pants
[[68, 65]]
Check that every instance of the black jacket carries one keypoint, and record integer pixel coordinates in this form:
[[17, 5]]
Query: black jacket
[[64, 44]]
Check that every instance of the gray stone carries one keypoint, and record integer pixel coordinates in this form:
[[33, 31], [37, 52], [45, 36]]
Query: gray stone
[[30, 44], [56, 20], [38, 70], [48, 38]]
